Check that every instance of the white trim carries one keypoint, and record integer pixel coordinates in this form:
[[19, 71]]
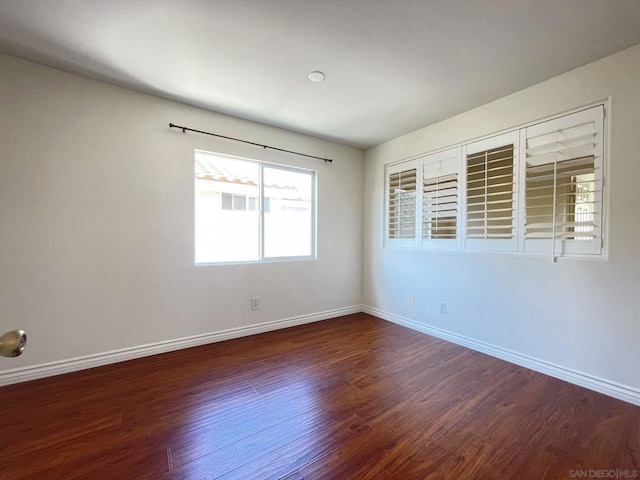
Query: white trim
[[591, 382], [597, 384], [23, 374]]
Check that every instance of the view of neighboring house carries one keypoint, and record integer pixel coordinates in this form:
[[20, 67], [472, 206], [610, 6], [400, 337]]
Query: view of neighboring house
[[228, 192]]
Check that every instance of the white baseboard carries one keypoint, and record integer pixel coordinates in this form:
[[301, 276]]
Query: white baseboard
[[600, 385], [606, 387], [24, 374]]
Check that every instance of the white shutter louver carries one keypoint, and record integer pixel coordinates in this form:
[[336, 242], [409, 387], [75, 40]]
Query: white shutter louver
[[563, 184], [440, 199], [402, 203], [440, 206], [491, 193]]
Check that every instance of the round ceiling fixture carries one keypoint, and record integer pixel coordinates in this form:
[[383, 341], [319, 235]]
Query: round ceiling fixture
[[316, 76]]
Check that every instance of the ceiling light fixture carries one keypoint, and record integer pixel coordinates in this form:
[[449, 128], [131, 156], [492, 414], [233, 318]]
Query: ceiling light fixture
[[316, 76]]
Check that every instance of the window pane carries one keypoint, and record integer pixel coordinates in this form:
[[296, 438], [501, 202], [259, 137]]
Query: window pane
[[227, 201], [225, 230], [239, 202], [288, 214]]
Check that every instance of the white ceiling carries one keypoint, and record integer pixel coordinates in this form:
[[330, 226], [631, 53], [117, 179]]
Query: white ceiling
[[391, 66]]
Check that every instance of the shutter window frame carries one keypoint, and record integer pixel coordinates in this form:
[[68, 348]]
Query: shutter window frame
[[441, 200], [402, 205], [491, 166], [562, 163], [496, 205]]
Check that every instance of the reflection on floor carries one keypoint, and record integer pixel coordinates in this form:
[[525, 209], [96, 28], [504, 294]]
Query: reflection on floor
[[349, 398]]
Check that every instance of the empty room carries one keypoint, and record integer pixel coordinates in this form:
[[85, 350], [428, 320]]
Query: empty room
[[319, 240]]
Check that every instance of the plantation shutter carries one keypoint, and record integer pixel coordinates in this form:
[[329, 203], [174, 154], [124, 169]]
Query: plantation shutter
[[563, 184], [491, 193], [440, 200], [402, 204]]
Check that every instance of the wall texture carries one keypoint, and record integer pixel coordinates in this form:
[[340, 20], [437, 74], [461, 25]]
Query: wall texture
[[576, 315], [97, 221]]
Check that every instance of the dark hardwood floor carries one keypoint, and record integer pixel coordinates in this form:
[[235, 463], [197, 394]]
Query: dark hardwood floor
[[350, 398]]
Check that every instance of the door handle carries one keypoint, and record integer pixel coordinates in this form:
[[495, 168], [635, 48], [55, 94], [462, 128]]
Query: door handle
[[12, 343]]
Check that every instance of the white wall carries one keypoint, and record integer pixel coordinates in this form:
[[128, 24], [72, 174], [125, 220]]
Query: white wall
[[97, 221], [578, 315], [96, 229]]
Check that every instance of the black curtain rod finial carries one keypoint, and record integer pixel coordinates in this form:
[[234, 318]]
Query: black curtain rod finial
[[184, 130], [171, 125]]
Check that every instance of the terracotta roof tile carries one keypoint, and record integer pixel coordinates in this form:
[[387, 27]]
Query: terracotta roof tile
[[240, 172]]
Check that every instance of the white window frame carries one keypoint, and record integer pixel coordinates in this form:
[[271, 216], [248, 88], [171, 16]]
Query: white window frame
[[261, 210], [569, 248]]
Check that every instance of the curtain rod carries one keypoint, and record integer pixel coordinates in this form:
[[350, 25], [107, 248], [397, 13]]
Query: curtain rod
[[184, 130]]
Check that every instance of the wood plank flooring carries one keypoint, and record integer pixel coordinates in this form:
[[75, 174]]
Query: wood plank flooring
[[349, 398]]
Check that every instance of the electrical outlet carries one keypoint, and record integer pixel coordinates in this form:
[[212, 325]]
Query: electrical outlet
[[443, 307], [411, 300], [255, 303]]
